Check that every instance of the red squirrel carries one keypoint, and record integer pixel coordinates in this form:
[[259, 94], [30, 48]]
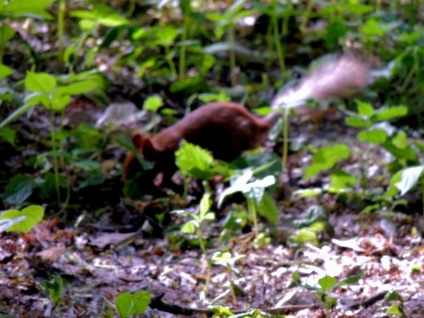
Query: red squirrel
[[228, 129]]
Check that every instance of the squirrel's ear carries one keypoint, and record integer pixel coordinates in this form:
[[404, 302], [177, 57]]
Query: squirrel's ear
[[138, 140]]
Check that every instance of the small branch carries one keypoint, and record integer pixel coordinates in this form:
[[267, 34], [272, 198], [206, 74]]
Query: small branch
[[158, 304]]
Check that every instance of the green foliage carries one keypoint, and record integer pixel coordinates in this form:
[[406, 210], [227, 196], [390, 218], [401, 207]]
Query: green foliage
[[19, 189], [25, 8], [195, 162], [132, 304], [326, 284], [54, 286], [325, 158], [21, 221]]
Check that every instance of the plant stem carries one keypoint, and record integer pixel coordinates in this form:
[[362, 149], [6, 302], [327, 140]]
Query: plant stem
[[231, 39], [285, 140], [182, 65], [54, 150], [252, 212], [208, 261], [277, 41], [60, 32]]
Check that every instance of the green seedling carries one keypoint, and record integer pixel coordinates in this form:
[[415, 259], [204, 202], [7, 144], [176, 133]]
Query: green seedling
[[228, 261], [195, 226], [129, 305], [325, 286]]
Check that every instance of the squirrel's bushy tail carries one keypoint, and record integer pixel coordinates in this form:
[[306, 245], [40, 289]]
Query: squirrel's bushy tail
[[338, 77]]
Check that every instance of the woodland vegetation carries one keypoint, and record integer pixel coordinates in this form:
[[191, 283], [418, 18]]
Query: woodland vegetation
[[307, 202]]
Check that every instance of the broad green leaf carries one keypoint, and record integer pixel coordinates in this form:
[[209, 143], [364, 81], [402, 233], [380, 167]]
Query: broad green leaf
[[195, 162], [153, 103], [327, 283], [28, 8], [78, 88], [54, 286], [6, 33], [307, 193], [5, 71], [400, 140], [409, 178], [326, 157], [32, 215], [59, 102], [190, 227], [350, 280], [188, 84], [269, 209], [39, 82], [393, 296], [396, 310], [303, 236], [341, 180], [390, 113], [19, 188], [132, 304], [364, 109], [356, 122], [372, 28], [205, 204], [166, 35], [374, 136], [8, 134]]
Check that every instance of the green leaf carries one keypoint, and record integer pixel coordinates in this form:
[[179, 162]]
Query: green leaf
[[6, 33], [326, 157], [8, 134], [400, 140], [384, 114], [409, 178], [374, 136], [5, 71], [302, 236], [32, 215], [81, 87], [364, 109], [28, 8], [356, 122], [54, 287], [190, 227], [19, 188], [59, 102], [350, 280], [342, 180], [132, 304], [195, 162], [153, 103], [396, 310], [269, 209], [327, 283], [205, 204], [393, 296], [39, 82]]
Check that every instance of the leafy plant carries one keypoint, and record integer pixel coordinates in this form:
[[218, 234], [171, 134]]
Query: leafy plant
[[132, 304], [325, 285], [228, 261], [54, 286], [21, 221], [195, 226], [254, 192]]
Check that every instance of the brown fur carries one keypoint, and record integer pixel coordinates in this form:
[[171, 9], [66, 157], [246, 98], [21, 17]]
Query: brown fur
[[225, 129]]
